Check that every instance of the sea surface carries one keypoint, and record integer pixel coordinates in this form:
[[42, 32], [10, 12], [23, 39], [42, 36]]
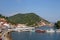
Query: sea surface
[[35, 36]]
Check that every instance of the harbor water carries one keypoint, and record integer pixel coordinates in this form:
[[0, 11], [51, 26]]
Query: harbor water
[[35, 36]]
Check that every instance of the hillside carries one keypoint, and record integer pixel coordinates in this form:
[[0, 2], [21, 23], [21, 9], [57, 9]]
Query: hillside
[[30, 19]]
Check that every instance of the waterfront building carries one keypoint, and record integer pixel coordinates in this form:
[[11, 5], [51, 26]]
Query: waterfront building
[[21, 25], [25, 29]]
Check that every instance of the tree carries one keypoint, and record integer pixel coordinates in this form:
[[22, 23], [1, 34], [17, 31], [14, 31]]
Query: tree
[[0, 15], [57, 25]]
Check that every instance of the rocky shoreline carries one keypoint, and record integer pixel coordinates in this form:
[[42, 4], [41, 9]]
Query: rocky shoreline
[[7, 36]]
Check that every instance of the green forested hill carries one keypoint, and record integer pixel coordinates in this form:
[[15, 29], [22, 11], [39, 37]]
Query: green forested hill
[[28, 19]]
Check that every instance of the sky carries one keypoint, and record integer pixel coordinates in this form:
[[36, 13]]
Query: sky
[[47, 9]]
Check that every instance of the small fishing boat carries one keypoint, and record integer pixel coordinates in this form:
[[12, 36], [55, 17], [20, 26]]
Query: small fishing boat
[[40, 31]]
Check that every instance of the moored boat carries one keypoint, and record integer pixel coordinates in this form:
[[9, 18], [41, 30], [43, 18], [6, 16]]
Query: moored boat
[[57, 30], [51, 30], [40, 31]]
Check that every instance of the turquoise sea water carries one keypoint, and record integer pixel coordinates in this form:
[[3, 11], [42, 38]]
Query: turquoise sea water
[[35, 36]]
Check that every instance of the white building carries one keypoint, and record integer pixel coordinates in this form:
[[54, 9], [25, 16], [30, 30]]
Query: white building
[[21, 25]]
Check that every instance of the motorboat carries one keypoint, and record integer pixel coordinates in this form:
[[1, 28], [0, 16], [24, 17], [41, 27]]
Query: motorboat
[[40, 31], [51, 30]]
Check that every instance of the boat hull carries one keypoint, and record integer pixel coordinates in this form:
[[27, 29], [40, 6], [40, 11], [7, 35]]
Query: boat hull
[[40, 31]]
